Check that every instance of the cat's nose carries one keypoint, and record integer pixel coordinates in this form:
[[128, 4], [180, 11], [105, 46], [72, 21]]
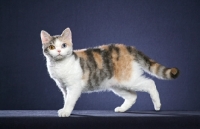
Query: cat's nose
[[59, 51]]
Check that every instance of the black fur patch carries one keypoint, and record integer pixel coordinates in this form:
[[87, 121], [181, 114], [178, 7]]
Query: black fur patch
[[108, 64], [97, 50], [118, 52], [129, 49], [82, 63], [76, 57], [140, 56], [174, 76], [92, 66]]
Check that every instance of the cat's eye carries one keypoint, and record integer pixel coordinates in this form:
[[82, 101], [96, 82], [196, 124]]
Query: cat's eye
[[51, 47], [64, 45]]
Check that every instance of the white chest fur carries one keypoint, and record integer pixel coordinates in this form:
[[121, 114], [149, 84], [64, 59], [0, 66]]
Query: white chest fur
[[65, 72]]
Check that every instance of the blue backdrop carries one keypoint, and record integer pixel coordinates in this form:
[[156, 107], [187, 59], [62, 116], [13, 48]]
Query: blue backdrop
[[166, 30]]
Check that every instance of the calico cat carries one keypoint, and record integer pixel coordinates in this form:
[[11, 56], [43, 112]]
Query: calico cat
[[114, 67]]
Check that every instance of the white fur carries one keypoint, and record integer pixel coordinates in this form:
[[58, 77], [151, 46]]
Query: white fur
[[67, 74]]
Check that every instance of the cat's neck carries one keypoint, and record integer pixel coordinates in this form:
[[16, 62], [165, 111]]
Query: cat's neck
[[68, 60]]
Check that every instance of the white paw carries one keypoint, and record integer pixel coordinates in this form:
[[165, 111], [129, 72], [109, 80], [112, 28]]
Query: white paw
[[157, 107], [63, 113], [119, 109]]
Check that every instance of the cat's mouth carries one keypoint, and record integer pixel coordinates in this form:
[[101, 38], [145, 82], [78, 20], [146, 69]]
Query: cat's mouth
[[58, 57]]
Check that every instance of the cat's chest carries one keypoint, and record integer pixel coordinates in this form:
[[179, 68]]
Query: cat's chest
[[58, 71], [65, 72]]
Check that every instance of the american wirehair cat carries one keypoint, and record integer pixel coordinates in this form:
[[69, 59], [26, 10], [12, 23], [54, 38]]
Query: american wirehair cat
[[114, 67]]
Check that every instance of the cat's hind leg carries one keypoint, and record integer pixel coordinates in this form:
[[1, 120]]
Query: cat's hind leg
[[148, 85], [128, 96]]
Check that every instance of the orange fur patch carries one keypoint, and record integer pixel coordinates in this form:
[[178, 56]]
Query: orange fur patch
[[155, 68], [122, 66], [105, 47], [81, 53], [174, 71]]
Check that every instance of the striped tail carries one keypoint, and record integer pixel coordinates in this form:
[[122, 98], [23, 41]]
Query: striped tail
[[155, 68]]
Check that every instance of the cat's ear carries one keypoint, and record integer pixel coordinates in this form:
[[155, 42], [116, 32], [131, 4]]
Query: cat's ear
[[45, 37], [67, 35]]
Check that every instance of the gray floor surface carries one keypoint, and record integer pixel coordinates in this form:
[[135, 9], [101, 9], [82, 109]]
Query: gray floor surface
[[96, 113]]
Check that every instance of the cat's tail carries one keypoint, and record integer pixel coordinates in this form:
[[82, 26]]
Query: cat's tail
[[155, 68]]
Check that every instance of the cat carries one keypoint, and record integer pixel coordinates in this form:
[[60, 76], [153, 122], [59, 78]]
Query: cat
[[115, 67]]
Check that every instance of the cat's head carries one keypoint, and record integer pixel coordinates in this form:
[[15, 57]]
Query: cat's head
[[57, 47]]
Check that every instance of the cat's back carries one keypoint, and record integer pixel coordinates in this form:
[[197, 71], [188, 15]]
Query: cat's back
[[112, 50]]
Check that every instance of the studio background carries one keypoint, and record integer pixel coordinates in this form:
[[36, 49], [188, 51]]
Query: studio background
[[166, 30]]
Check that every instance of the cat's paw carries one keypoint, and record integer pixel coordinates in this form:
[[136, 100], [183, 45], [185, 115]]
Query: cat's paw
[[157, 107], [119, 109], [63, 113]]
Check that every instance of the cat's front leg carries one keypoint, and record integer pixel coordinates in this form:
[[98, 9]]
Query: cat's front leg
[[73, 93], [64, 92]]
